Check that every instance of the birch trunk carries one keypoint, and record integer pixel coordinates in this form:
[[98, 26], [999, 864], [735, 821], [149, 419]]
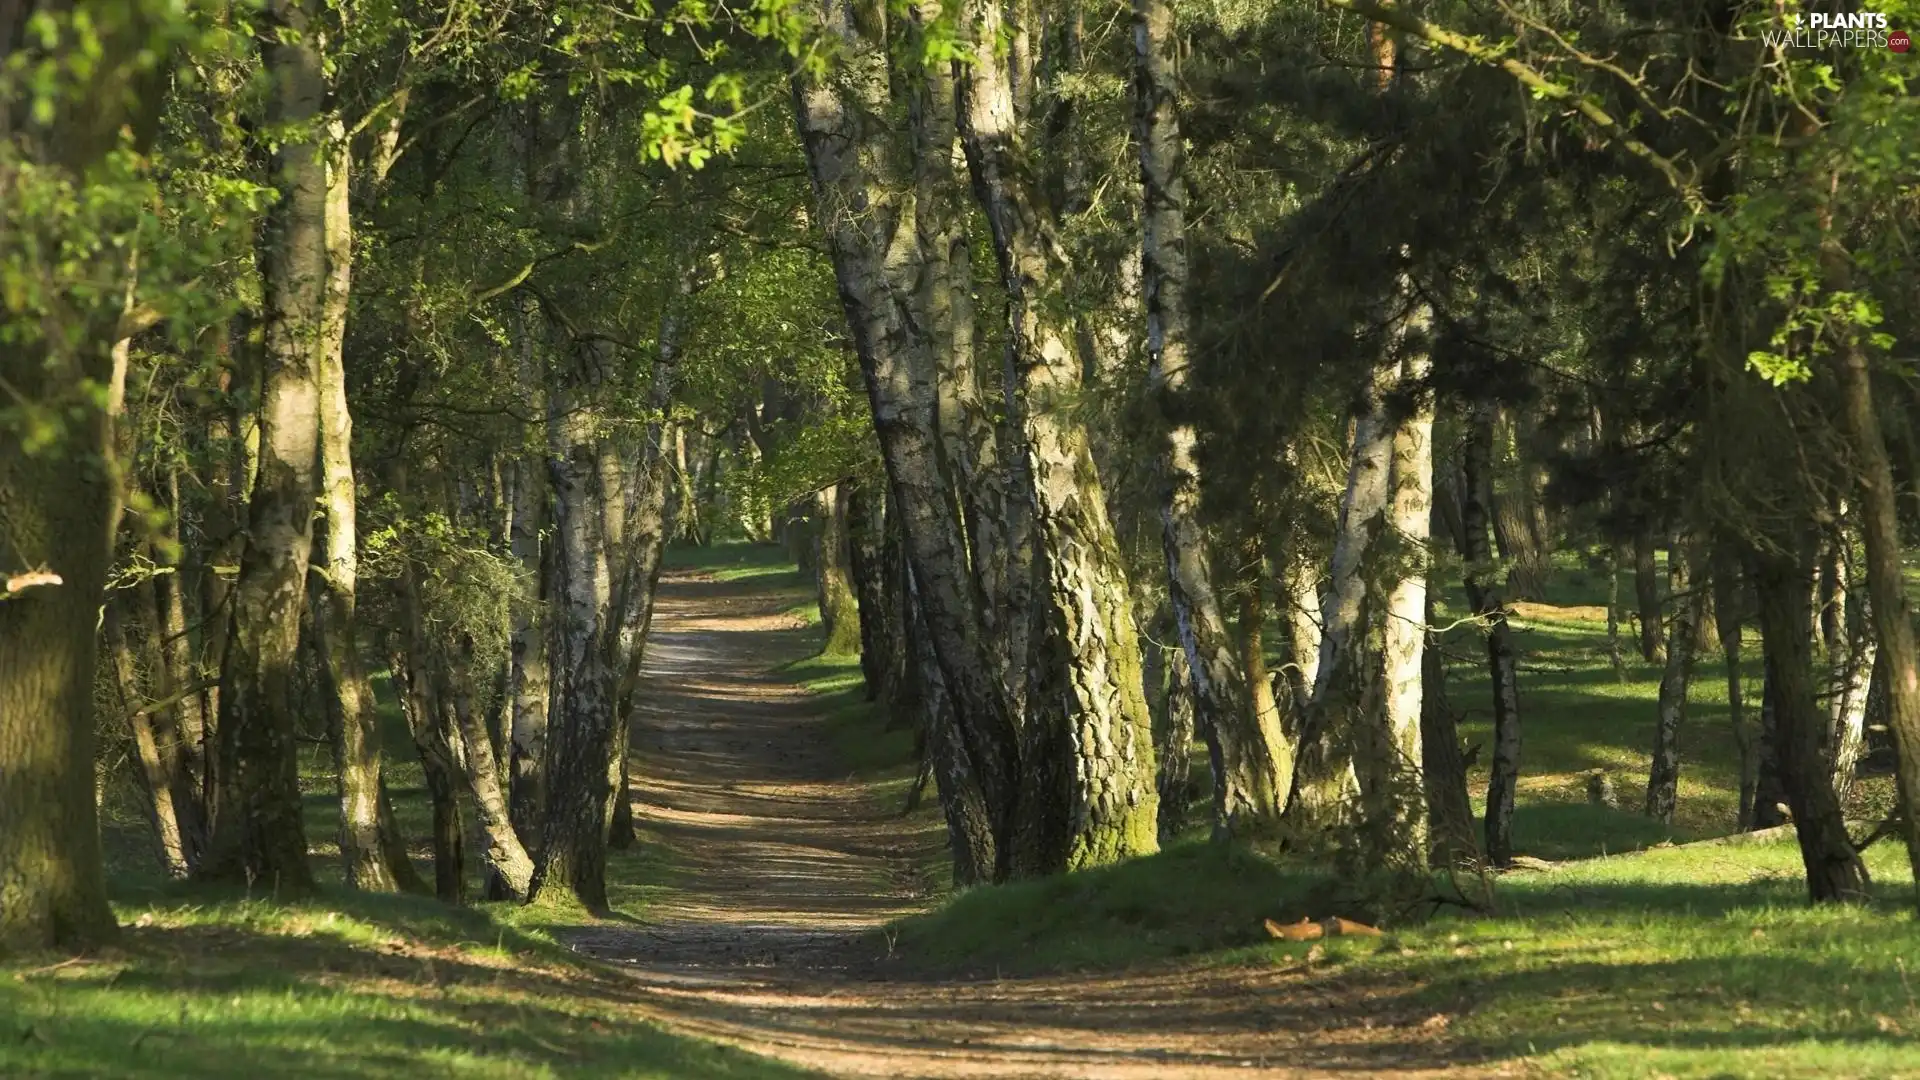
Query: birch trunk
[[1090, 654], [1663, 778], [860, 190], [258, 834], [969, 827], [1253, 760], [439, 762], [879, 622], [985, 490], [1393, 794], [356, 748], [580, 735], [1325, 780], [504, 855]]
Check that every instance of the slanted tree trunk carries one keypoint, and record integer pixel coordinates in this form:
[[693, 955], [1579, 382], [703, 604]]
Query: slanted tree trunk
[[355, 722], [504, 855], [1252, 757], [258, 834], [1855, 660], [1324, 780], [1484, 595], [969, 826], [439, 760], [1886, 586], [1089, 658], [1834, 869], [858, 182], [1663, 778], [152, 760]]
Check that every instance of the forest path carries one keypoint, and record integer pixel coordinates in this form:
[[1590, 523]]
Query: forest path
[[787, 869]]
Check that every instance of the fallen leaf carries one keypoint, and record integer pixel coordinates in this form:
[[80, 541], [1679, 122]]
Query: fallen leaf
[[1436, 1022]]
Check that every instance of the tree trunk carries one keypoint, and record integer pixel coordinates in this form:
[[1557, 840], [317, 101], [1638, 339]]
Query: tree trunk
[[867, 558], [1484, 595], [1663, 778], [1253, 760], [527, 683], [258, 834], [1090, 655], [1615, 657], [61, 500], [1646, 593], [504, 855], [1834, 870], [1301, 579], [1727, 621], [1857, 658], [355, 722], [1393, 795], [969, 827], [1886, 586], [1769, 787], [858, 181], [439, 760], [154, 760], [581, 721], [833, 576], [1443, 766], [1325, 780]]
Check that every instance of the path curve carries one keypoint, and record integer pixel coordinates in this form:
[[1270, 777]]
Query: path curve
[[771, 938]]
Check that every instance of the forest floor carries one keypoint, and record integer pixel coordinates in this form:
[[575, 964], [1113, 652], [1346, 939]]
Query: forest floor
[[789, 867]]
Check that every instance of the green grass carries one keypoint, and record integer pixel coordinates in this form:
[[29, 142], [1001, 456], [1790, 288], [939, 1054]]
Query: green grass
[[209, 984]]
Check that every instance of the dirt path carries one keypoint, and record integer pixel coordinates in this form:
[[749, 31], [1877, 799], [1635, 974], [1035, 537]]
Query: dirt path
[[771, 940]]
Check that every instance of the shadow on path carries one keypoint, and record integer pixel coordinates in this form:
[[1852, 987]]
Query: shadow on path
[[772, 937]]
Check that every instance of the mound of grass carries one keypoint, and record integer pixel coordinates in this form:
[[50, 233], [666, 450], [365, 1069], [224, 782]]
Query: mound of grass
[[1187, 900], [206, 984]]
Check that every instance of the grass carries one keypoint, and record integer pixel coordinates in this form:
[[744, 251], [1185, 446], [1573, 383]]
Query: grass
[[211, 984]]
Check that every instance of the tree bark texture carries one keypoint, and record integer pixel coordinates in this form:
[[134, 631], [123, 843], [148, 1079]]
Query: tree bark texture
[[1886, 586], [862, 192], [580, 734], [1090, 652], [1663, 777], [1253, 759], [258, 833], [1834, 869]]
